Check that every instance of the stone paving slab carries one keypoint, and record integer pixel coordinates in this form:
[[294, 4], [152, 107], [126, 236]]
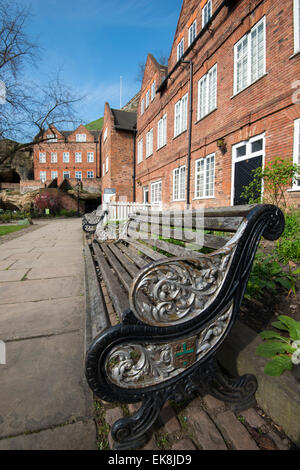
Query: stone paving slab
[[40, 272], [39, 389], [23, 320], [77, 436], [12, 275], [45, 402], [45, 289]]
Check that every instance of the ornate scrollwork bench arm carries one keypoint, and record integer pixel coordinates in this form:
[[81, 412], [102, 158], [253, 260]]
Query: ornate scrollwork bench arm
[[182, 309]]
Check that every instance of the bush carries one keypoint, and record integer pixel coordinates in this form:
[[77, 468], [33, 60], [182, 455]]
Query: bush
[[68, 213], [268, 274], [288, 246]]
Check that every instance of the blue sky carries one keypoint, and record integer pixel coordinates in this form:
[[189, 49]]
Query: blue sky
[[94, 43]]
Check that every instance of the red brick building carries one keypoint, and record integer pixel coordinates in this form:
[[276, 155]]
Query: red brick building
[[199, 139], [118, 152], [68, 155]]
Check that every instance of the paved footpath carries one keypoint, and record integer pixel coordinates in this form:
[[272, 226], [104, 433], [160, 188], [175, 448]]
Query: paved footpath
[[45, 402]]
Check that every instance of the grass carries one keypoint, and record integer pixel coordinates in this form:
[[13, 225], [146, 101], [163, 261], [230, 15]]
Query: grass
[[5, 229], [95, 125]]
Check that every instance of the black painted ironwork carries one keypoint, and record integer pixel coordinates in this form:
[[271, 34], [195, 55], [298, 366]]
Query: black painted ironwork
[[138, 362]]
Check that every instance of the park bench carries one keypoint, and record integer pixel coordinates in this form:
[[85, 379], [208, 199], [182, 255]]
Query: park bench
[[92, 219], [175, 303]]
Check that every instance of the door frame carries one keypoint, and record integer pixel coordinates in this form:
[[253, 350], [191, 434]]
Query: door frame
[[248, 155]]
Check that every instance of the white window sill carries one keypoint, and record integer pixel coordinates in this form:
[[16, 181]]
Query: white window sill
[[204, 197], [159, 148], [295, 54], [292, 190], [178, 200], [148, 156], [248, 86], [203, 117], [175, 136]]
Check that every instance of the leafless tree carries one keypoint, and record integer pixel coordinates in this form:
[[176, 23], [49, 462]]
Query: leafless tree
[[28, 108], [162, 60]]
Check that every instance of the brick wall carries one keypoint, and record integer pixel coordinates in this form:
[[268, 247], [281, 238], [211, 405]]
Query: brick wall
[[265, 107], [67, 144], [118, 148]]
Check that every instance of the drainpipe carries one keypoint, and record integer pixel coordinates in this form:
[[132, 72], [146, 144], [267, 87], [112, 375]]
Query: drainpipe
[[134, 161], [188, 190]]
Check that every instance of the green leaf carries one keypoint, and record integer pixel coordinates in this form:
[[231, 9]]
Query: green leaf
[[285, 283], [278, 365], [271, 348], [279, 326], [293, 326], [268, 334]]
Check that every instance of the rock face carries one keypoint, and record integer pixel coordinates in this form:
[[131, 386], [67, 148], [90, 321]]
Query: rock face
[[15, 201], [18, 167]]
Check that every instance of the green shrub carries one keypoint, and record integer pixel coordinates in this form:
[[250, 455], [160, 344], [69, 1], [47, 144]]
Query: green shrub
[[288, 246], [268, 274], [68, 213]]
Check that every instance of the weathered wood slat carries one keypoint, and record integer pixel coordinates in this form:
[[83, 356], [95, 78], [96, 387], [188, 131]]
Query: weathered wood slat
[[171, 248], [140, 231], [122, 274], [132, 253], [231, 211], [224, 224], [118, 296], [154, 255], [128, 265]]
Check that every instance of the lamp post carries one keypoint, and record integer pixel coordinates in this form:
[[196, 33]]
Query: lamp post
[[78, 187]]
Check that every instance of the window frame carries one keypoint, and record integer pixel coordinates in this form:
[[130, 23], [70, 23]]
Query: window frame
[[77, 155], [80, 137], [91, 172], [76, 177], [88, 158], [153, 191], [142, 106], [140, 151], [52, 174], [296, 151], [65, 154], [180, 49], [162, 133], [180, 170], [206, 78], [43, 180], [249, 80], [204, 10], [247, 156], [106, 165], [149, 143], [197, 173], [66, 172], [51, 138], [54, 160], [153, 90], [192, 29], [42, 157], [182, 125], [147, 99]]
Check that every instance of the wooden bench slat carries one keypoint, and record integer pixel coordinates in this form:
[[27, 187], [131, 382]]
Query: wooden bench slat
[[154, 255], [126, 262], [175, 250], [224, 224], [132, 253], [209, 241], [118, 296], [122, 274], [228, 211]]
